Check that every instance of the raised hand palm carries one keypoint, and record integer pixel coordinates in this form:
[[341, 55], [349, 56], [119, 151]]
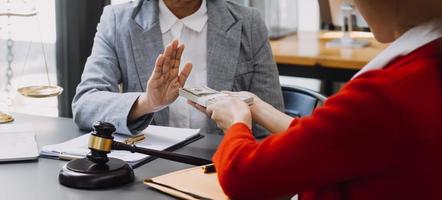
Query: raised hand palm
[[163, 85]]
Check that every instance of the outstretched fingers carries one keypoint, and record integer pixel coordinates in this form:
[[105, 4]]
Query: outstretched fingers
[[159, 64], [177, 59], [169, 55], [176, 62]]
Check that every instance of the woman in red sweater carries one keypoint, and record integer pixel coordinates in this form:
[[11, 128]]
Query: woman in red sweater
[[379, 137]]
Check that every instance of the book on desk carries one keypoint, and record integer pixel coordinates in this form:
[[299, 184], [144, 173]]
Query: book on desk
[[17, 142]]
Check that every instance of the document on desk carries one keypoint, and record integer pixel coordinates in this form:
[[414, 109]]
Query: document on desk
[[17, 142], [156, 137], [192, 184]]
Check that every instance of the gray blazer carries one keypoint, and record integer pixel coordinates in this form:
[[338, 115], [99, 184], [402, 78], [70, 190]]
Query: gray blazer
[[128, 41]]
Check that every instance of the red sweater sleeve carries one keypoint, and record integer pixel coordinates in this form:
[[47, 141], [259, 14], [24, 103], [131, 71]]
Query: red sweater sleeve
[[354, 134]]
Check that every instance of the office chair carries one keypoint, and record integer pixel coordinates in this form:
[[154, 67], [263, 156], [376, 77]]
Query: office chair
[[300, 102]]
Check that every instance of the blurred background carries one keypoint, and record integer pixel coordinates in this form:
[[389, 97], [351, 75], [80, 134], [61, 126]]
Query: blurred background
[[28, 65], [63, 31]]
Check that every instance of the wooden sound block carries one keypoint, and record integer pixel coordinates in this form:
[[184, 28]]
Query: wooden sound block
[[84, 174]]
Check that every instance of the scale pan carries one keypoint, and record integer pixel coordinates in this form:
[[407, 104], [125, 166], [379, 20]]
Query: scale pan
[[17, 10], [5, 118], [40, 91]]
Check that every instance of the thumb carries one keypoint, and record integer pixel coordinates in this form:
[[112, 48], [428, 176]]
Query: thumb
[[182, 78], [210, 110]]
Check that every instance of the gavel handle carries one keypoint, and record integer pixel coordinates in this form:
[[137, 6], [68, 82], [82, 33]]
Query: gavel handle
[[161, 154]]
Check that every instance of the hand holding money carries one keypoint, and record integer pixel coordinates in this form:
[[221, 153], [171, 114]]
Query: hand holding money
[[205, 96], [225, 108]]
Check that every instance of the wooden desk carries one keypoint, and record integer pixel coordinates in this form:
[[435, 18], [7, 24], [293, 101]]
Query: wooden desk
[[305, 55]]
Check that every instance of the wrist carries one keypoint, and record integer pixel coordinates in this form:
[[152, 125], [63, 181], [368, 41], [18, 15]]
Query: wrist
[[145, 104], [245, 118], [240, 123], [152, 104], [258, 109], [138, 109]]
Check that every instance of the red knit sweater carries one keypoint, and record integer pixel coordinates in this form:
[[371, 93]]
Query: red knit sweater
[[379, 138]]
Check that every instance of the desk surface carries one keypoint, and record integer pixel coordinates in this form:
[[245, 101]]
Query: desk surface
[[39, 180], [307, 49]]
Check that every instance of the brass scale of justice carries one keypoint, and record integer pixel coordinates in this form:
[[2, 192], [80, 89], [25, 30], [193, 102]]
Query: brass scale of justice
[[22, 9]]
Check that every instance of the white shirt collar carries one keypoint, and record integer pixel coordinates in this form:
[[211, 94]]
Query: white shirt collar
[[407, 43], [195, 22]]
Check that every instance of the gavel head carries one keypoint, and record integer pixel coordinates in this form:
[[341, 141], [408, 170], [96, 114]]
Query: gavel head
[[100, 142]]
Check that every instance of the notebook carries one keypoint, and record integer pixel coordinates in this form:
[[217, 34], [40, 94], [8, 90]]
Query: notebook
[[17, 142], [190, 184], [157, 137]]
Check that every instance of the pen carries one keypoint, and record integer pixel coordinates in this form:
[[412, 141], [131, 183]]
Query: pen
[[134, 139], [68, 157], [208, 169]]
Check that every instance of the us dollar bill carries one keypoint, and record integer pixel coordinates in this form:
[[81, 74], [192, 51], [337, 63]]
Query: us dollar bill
[[204, 95]]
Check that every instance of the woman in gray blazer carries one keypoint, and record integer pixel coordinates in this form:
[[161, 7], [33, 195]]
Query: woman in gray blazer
[[127, 77]]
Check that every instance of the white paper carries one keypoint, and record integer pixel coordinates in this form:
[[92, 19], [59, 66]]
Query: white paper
[[157, 137], [17, 142]]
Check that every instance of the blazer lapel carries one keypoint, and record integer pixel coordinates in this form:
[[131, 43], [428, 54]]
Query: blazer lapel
[[223, 45], [147, 44]]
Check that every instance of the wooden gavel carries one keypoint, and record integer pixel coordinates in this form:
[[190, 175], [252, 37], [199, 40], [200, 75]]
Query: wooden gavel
[[101, 143]]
